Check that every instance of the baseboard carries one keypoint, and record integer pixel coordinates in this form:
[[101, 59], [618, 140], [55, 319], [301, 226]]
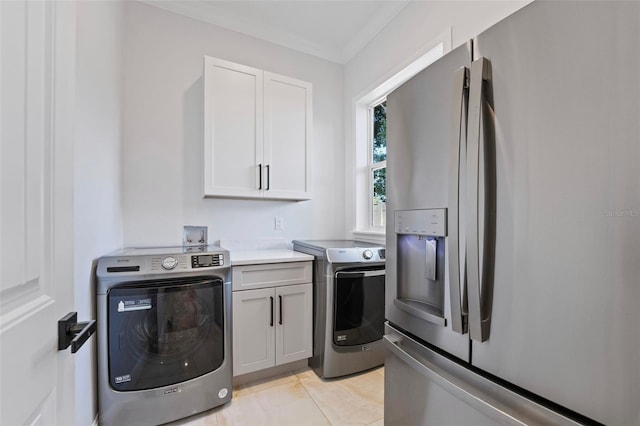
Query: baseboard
[[270, 372]]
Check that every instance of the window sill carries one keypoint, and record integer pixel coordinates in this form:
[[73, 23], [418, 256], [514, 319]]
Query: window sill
[[375, 237]]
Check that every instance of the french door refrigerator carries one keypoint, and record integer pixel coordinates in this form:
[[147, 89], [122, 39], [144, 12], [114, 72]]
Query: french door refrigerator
[[513, 241]]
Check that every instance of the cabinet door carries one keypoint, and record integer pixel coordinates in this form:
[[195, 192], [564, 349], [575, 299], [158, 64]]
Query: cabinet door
[[253, 330], [287, 137], [233, 129], [294, 328]]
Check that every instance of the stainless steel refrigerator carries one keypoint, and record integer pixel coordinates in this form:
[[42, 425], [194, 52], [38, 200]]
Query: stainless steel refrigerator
[[513, 235]]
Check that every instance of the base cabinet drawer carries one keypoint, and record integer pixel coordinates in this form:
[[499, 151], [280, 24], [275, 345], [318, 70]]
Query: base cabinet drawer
[[271, 275]]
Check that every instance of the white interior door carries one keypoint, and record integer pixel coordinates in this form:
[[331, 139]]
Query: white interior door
[[37, 60]]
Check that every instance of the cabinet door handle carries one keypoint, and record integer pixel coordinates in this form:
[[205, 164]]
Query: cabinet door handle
[[271, 318], [280, 299], [268, 177], [260, 175]]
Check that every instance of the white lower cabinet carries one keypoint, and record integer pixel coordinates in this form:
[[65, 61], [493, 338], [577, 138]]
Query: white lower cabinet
[[254, 332], [271, 326], [294, 329]]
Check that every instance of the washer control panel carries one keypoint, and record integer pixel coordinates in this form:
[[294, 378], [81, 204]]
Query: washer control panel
[[169, 263], [172, 262], [206, 260], [161, 263]]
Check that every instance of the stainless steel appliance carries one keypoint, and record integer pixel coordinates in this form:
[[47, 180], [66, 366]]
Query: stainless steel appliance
[[348, 294], [513, 241], [164, 345]]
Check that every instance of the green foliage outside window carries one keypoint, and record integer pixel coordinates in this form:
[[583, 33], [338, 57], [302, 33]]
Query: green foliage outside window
[[380, 150]]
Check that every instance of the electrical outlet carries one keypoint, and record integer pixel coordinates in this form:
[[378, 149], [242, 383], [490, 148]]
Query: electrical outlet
[[278, 223]]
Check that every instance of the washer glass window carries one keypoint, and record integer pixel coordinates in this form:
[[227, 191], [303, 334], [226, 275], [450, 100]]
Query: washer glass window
[[164, 332]]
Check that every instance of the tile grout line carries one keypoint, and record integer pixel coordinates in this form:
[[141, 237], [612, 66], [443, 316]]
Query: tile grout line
[[297, 378], [314, 400], [342, 386], [375, 421]]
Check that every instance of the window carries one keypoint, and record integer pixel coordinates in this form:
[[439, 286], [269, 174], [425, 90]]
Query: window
[[378, 163], [368, 213]]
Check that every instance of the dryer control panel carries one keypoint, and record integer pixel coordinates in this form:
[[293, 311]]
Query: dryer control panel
[[356, 255]]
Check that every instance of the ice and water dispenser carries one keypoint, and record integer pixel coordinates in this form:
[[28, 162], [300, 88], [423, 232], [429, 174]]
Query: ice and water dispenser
[[420, 289]]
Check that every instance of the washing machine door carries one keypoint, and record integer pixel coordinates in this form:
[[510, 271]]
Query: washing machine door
[[164, 332], [358, 306]]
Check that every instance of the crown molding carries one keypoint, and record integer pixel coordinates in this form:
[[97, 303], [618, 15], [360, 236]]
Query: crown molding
[[208, 12], [387, 12]]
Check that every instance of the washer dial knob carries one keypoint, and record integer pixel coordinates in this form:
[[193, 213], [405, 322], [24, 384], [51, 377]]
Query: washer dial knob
[[367, 254], [169, 263]]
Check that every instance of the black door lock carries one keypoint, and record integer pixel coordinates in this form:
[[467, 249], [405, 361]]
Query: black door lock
[[71, 332]]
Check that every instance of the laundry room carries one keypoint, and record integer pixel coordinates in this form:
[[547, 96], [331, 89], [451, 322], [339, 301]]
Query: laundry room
[[141, 82], [264, 212]]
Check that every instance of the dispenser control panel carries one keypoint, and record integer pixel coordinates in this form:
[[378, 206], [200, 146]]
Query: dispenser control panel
[[432, 222]]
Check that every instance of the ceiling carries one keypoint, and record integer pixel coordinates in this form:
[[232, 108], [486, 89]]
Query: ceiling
[[330, 29]]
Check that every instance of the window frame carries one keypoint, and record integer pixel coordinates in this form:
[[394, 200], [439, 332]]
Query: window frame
[[373, 165], [359, 189]]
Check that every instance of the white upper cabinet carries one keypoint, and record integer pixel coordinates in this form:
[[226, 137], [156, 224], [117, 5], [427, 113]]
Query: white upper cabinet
[[233, 132], [257, 130], [287, 135]]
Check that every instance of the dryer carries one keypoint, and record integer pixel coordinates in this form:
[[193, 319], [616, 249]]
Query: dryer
[[164, 327], [348, 292]]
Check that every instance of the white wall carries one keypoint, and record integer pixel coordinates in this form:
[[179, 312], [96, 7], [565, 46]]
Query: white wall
[[97, 206], [163, 134], [408, 36]]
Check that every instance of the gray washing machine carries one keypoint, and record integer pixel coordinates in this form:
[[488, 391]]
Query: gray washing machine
[[164, 334], [348, 320]]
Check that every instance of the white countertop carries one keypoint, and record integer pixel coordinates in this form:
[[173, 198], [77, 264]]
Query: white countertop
[[256, 257]]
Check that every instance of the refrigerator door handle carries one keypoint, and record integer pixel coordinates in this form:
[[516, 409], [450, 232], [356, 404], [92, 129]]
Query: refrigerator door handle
[[457, 285], [479, 193]]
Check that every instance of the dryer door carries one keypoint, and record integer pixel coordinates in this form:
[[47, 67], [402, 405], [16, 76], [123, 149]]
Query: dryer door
[[164, 332], [358, 308]]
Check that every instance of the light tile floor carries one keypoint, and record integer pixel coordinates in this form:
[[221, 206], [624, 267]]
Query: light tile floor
[[301, 398]]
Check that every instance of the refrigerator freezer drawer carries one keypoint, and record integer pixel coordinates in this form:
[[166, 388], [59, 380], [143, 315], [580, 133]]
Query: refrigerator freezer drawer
[[423, 387]]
